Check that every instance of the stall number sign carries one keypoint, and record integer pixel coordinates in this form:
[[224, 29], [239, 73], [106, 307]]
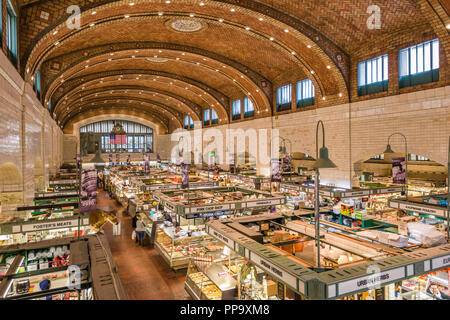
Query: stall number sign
[[440, 262], [263, 203], [50, 225], [279, 273], [211, 208], [370, 281]]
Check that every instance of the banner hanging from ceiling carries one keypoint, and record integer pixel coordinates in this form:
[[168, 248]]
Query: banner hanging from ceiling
[[88, 190]]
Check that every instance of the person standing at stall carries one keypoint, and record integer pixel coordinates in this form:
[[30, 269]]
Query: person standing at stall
[[140, 231]]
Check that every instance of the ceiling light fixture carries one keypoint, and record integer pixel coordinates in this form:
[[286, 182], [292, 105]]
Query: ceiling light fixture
[[260, 19], [309, 46], [127, 16], [247, 28], [191, 15], [131, 3], [94, 12], [160, 13], [328, 67], [202, 4], [271, 38], [220, 20], [293, 52], [286, 30], [232, 10], [340, 94], [92, 24], [312, 71], [55, 32]]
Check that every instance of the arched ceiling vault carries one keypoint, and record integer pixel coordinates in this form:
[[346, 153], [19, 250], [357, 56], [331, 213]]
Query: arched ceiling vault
[[177, 105], [217, 51], [248, 79], [165, 113]]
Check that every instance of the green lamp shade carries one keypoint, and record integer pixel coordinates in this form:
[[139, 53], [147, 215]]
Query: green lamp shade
[[323, 162], [388, 149]]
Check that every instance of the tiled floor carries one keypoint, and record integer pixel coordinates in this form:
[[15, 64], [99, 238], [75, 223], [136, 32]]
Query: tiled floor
[[143, 272]]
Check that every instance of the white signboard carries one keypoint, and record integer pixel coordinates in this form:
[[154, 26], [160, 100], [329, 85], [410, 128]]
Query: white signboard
[[50, 225], [388, 190], [370, 281], [418, 208], [355, 193], [261, 203], [211, 208], [441, 262], [278, 272]]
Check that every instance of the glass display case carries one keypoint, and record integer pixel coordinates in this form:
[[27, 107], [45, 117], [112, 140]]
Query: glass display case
[[178, 245], [213, 277]]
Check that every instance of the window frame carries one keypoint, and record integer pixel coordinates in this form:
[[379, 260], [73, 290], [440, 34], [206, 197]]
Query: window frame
[[248, 113], [370, 67], [236, 116], [139, 135], [11, 33], [305, 101], [284, 104], [409, 73]]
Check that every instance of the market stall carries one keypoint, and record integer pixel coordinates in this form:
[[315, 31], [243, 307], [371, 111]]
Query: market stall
[[376, 271], [192, 208], [60, 269]]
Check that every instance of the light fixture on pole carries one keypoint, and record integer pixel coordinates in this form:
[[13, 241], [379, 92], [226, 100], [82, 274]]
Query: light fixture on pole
[[322, 162], [389, 150]]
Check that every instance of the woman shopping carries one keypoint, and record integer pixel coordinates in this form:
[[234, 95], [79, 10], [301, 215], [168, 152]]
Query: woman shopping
[[140, 231]]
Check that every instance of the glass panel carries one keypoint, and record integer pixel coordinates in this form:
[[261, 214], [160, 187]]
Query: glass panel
[[413, 60], [404, 62], [427, 56], [379, 69], [369, 72], [435, 51], [385, 68], [420, 58]]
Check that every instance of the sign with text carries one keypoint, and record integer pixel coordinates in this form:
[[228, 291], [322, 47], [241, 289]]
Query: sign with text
[[371, 280], [261, 203], [53, 225], [441, 262], [275, 270]]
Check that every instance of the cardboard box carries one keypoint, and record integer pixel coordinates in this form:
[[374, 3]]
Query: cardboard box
[[272, 289], [282, 235]]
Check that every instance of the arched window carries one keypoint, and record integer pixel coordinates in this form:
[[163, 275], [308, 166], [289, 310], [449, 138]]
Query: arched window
[[188, 122], [139, 137]]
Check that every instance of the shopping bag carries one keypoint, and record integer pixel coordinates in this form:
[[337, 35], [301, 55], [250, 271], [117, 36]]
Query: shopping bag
[[133, 235]]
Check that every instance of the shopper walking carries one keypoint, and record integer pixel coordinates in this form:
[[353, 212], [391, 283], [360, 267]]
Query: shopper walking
[[140, 231]]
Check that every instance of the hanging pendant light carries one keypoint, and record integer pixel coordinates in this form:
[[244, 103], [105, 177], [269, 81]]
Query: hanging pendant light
[[324, 161], [388, 149]]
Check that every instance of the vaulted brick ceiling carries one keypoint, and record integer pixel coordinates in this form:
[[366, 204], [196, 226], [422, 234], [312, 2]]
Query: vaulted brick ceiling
[[131, 58]]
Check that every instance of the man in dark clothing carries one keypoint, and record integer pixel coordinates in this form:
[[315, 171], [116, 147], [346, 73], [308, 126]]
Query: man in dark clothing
[[133, 225], [437, 294]]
